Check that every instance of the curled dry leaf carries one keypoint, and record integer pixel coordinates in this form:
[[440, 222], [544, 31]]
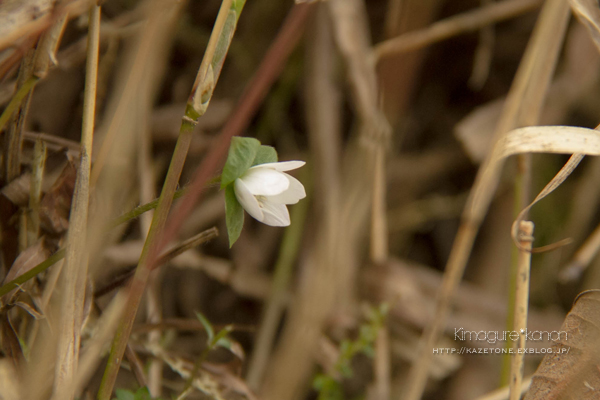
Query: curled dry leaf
[[571, 370], [547, 139], [17, 191]]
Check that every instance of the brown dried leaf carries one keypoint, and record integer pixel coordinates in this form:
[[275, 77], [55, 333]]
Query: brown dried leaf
[[17, 191], [56, 204], [571, 370]]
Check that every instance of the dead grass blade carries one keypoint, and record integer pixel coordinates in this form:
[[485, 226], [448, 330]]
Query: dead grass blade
[[523, 107], [72, 284]]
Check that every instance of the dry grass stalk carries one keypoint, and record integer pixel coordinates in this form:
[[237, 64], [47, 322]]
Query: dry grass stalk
[[483, 54], [33, 217], [521, 308], [464, 23], [74, 272], [522, 108]]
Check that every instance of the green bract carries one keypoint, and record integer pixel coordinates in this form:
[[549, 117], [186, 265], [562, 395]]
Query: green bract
[[243, 153]]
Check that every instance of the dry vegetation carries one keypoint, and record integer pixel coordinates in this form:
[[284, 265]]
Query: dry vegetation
[[429, 132]]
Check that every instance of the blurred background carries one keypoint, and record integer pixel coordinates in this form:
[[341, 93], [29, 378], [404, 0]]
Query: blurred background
[[333, 306]]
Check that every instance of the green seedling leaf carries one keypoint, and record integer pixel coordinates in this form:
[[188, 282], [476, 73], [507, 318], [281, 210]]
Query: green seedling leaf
[[207, 327], [264, 155], [242, 153], [221, 337], [234, 215], [143, 394]]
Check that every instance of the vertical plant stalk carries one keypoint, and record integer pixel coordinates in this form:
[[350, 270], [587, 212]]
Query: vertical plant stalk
[[16, 101], [206, 79], [521, 307], [522, 108], [379, 229], [522, 194], [74, 274], [37, 176]]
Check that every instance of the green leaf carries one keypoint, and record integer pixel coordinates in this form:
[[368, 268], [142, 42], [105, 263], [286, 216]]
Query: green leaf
[[221, 337], [265, 154], [143, 394], [242, 152], [234, 215], [207, 327]]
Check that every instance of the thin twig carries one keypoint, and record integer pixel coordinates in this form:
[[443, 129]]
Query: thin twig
[[462, 23]]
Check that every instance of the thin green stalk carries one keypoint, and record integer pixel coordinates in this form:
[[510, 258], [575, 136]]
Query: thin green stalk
[[138, 211], [209, 71], [15, 102]]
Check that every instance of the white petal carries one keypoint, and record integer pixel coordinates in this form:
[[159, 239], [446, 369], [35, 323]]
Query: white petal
[[275, 214], [265, 182], [247, 200], [292, 195], [281, 166]]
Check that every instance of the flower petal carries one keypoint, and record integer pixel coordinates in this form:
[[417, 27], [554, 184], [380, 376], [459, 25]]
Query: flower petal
[[281, 166], [292, 195], [265, 181], [275, 214], [247, 200]]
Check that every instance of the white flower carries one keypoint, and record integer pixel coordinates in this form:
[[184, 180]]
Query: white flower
[[264, 190]]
